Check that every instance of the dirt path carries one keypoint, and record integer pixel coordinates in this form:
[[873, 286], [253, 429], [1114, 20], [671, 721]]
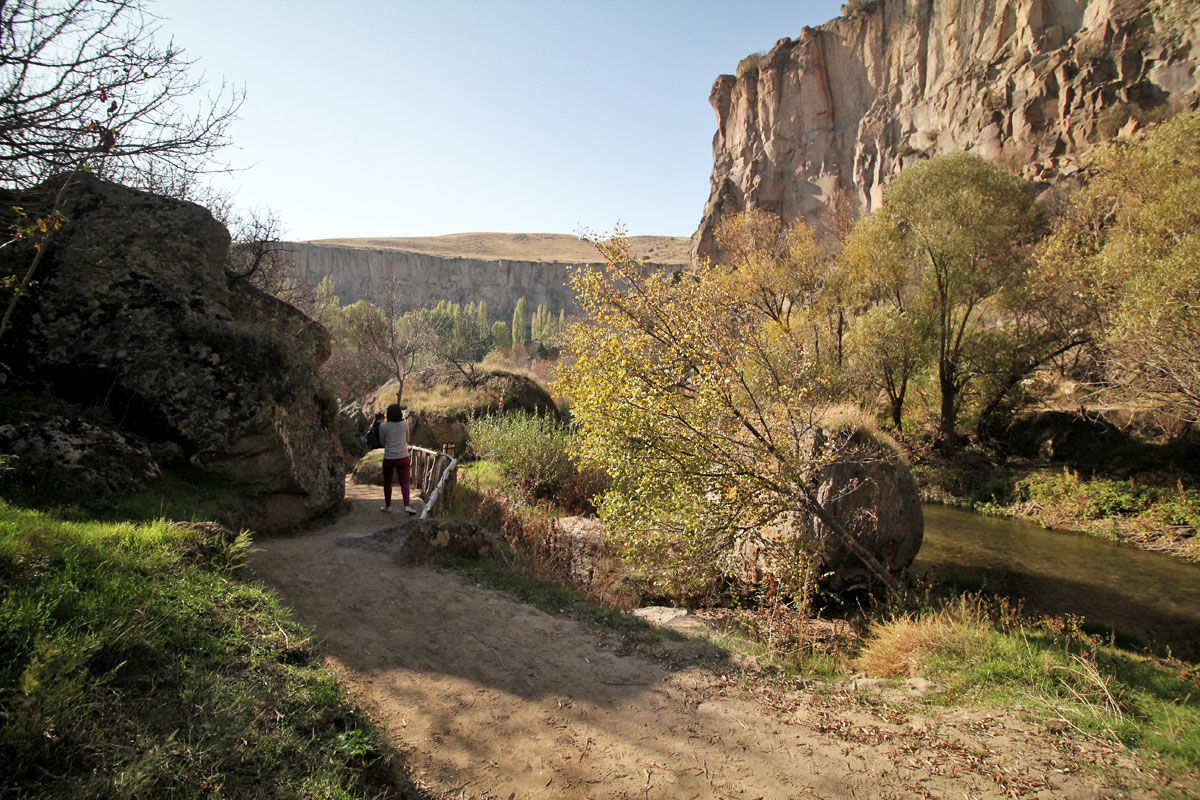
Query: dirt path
[[490, 698]]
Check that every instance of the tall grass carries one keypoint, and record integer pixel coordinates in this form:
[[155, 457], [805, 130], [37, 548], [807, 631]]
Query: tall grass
[[135, 662], [985, 653]]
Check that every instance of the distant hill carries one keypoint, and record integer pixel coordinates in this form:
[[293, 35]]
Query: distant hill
[[537, 247]]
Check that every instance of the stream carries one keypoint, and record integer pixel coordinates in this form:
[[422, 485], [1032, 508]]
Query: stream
[[1148, 596]]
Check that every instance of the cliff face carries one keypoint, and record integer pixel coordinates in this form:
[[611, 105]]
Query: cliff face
[[425, 279], [360, 271], [1030, 83]]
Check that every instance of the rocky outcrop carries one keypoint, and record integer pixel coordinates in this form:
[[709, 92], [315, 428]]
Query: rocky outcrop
[[134, 317], [361, 272], [1030, 83], [446, 400], [86, 459]]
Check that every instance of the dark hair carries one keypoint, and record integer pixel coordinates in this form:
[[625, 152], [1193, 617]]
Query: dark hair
[[395, 413]]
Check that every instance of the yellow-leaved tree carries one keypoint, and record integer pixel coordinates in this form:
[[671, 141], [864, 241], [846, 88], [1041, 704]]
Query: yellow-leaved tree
[[700, 400], [1129, 246]]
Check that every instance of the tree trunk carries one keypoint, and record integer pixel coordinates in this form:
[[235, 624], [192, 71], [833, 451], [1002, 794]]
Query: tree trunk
[[949, 413], [897, 408]]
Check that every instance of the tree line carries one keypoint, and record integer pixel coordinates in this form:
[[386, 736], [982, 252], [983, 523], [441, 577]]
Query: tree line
[[377, 339]]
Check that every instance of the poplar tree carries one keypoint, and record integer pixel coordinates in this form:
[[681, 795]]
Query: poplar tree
[[520, 323]]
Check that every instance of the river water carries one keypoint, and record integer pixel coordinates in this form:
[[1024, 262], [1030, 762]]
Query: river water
[[1149, 596]]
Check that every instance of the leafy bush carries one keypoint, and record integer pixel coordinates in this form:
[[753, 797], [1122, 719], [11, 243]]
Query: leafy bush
[[1105, 499], [532, 454]]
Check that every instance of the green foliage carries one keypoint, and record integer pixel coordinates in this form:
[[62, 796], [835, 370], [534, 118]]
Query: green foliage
[[946, 252], [135, 663], [699, 399], [501, 335], [1100, 499], [520, 323], [546, 327], [1130, 245], [532, 453], [458, 335]]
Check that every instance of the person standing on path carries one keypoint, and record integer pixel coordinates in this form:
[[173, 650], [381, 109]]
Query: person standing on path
[[393, 434]]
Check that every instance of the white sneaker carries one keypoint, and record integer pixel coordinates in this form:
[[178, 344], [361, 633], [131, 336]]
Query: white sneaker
[[385, 508], [410, 509]]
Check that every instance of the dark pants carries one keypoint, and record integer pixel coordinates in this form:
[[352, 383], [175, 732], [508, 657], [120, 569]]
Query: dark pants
[[401, 466]]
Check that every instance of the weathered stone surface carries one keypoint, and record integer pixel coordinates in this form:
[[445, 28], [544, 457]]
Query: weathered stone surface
[[1031, 83], [871, 493], [581, 555], [77, 457], [133, 313], [876, 498]]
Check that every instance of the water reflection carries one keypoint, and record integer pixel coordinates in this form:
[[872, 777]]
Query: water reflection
[[1150, 596]]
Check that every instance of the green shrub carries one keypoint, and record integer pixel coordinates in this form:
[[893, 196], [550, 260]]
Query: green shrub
[[532, 454]]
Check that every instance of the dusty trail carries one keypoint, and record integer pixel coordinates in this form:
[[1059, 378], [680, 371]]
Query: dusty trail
[[490, 698]]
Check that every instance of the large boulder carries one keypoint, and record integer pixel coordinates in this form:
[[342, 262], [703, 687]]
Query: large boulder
[[86, 459], [133, 313], [869, 490]]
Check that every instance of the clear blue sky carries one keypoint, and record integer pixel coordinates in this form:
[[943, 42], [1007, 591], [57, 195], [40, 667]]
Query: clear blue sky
[[448, 116]]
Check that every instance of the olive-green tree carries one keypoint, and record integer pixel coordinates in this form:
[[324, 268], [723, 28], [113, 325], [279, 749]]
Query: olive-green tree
[[520, 323], [703, 408], [952, 238], [501, 336], [1129, 244]]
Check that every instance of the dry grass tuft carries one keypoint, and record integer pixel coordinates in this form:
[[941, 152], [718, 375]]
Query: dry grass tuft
[[899, 648]]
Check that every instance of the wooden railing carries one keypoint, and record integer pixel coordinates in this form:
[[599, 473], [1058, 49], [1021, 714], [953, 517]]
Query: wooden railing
[[434, 475]]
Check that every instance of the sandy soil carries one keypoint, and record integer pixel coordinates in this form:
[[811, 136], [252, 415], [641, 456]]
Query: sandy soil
[[555, 247], [486, 697]]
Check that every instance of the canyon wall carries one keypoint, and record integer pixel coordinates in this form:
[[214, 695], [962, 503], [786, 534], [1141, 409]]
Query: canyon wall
[[360, 272], [1032, 84], [426, 278]]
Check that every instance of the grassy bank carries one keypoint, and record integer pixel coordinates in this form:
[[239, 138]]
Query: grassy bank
[[135, 661], [1147, 510], [986, 654]]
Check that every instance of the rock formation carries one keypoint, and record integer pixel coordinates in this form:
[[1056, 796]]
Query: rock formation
[[1031, 83], [433, 425], [870, 491], [360, 271], [86, 458], [134, 317]]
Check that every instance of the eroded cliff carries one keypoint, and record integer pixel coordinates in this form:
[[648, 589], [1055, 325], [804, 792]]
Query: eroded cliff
[[1031, 83], [498, 269]]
